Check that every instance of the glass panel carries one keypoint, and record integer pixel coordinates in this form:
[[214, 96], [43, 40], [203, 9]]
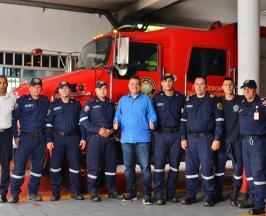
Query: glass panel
[[9, 58], [18, 59]]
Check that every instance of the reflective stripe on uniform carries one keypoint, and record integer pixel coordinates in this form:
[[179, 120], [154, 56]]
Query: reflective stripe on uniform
[[237, 177], [92, 176], [83, 118], [219, 119], [219, 174], [192, 176], [207, 177], [184, 120], [73, 171], [109, 173], [49, 125], [173, 169], [259, 182], [55, 170], [250, 179], [35, 174], [17, 177], [158, 170]]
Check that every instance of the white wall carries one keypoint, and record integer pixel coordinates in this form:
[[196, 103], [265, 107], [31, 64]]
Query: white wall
[[24, 28]]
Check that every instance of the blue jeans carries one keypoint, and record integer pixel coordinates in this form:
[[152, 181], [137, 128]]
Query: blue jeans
[[137, 153]]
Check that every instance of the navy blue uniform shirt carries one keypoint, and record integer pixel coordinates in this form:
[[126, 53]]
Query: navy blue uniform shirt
[[249, 126], [231, 117], [30, 113], [63, 117], [97, 114], [202, 115], [169, 109]]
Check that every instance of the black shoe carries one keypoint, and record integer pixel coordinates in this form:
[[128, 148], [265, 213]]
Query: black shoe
[[115, 195], [77, 196], [209, 203], [173, 199], [147, 201], [256, 211], [129, 197], [3, 199], [234, 196], [13, 199], [245, 204], [189, 201], [160, 201], [55, 196], [34, 197], [95, 197]]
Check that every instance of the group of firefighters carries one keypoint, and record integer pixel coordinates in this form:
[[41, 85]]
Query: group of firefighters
[[207, 128]]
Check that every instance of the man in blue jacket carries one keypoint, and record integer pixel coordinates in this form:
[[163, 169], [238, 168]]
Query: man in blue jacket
[[136, 117]]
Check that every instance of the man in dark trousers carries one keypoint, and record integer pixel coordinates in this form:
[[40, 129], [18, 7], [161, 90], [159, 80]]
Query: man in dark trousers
[[97, 118], [63, 136], [202, 124], [168, 106], [252, 116], [30, 111], [7, 104]]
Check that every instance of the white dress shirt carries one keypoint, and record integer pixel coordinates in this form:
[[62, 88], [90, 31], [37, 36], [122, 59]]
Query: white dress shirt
[[7, 105]]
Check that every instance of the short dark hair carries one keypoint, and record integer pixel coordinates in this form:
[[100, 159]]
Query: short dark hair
[[3, 76], [135, 78], [228, 79], [201, 77]]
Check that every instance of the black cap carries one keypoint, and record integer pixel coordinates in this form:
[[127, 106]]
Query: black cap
[[168, 75], [63, 83], [101, 83], [249, 84], [36, 81]]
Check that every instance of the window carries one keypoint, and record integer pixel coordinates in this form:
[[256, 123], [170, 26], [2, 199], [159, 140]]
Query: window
[[18, 59], [96, 53], [142, 57], [45, 60], [9, 58], [37, 61], [27, 60], [205, 62], [1, 58], [54, 61]]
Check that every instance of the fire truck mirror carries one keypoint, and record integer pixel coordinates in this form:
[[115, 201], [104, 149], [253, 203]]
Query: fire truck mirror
[[122, 51], [122, 69]]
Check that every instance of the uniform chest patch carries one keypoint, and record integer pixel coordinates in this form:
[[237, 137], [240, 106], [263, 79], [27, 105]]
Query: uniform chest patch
[[159, 104], [28, 105], [189, 106], [97, 106], [57, 108], [235, 108]]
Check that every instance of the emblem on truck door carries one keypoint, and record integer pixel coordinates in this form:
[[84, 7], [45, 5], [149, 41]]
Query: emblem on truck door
[[147, 86]]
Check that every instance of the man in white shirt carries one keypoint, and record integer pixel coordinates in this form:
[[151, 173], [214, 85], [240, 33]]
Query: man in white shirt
[[7, 103]]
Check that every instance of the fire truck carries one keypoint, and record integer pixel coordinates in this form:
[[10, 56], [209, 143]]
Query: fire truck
[[115, 57]]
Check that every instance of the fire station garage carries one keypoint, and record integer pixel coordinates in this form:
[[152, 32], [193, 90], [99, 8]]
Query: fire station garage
[[87, 44]]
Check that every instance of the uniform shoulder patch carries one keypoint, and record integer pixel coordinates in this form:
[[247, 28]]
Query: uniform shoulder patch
[[219, 106]]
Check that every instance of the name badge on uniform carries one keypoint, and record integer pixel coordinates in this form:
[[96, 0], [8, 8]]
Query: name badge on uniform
[[97, 106], [189, 106], [256, 114], [159, 104], [57, 108], [28, 105]]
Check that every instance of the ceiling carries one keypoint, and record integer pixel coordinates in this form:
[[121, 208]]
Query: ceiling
[[190, 13]]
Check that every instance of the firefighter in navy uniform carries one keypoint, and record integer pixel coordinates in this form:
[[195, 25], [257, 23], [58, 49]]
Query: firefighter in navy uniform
[[63, 136], [31, 111], [97, 117], [232, 144], [201, 131], [252, 116], [168, 105]]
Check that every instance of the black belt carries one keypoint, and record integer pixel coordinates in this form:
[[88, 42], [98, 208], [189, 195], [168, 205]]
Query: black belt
[[3, 130], [200, 134], [71, 133], [168, 130], [37, 134], [254, 137]]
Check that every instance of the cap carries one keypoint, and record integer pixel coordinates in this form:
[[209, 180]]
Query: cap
[[249, 84], [168, 75], [63, 83], [101, 83], [36, 81]]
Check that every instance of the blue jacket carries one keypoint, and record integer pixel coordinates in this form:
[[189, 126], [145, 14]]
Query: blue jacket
[[133, 116]]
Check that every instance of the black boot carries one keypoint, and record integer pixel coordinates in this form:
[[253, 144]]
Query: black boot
[[234, 196], [219, 194]]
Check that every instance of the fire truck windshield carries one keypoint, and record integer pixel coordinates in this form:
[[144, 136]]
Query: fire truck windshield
[[96, 53]]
